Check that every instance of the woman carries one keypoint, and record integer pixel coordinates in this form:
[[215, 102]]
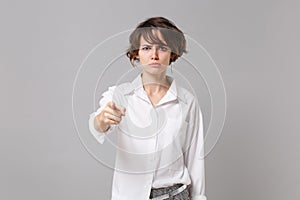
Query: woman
[[159, 128]]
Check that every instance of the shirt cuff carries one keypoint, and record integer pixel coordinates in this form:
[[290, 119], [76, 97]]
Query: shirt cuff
[[99, 136]]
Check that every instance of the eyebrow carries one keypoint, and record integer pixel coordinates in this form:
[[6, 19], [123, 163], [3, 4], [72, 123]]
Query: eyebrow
[[152, 45]]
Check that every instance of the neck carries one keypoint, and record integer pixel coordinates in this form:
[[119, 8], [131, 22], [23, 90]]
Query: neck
[[155, 83]]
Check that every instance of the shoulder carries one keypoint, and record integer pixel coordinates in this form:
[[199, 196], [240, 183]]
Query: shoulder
[[124, 86], [190, 100], [114, 93], [117, 88], [117, 91], [185, 95]]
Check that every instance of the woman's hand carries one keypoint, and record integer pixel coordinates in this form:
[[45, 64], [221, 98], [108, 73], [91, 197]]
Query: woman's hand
[[111, 114]]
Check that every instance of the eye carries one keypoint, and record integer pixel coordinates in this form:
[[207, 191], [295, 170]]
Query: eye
[[163, 48], [146, 48]]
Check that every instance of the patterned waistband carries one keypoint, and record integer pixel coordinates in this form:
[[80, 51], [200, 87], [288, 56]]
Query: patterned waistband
[[166, 192]]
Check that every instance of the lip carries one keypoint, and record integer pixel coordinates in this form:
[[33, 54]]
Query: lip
[[155, 64]]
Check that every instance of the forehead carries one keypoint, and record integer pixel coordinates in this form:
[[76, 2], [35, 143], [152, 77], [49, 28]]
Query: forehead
[[152, 37]]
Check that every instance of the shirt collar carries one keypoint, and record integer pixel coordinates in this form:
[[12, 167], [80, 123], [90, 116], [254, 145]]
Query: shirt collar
[[173, 92]]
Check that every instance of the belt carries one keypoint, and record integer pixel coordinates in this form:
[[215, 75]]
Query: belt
[[171, 194]]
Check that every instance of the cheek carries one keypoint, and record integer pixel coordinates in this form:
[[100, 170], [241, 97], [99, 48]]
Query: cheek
[[140, 54], [143, 56], [166, 57]]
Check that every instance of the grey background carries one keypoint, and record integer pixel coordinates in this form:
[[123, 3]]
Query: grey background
[[254, 44]]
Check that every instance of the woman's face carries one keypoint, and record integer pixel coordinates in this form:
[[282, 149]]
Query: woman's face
[[154, 58]]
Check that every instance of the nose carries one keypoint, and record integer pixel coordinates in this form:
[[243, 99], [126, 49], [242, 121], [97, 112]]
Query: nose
[[154, 55]]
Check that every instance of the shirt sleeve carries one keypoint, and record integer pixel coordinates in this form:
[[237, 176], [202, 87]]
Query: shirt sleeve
[[194, 156], [106, 97]]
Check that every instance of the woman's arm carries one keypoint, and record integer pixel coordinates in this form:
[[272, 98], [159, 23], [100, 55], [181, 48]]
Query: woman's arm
[[194, 156], [107, 114]]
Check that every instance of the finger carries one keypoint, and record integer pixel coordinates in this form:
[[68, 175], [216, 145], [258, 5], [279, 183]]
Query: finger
[[111, 117], [111, 105], [121, 109], [113, 111], [110, 122], [116, 107]]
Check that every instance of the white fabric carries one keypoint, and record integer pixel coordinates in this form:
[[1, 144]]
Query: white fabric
[[159, 145]]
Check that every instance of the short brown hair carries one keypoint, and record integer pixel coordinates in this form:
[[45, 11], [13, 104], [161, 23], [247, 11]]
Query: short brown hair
[[173, 36]]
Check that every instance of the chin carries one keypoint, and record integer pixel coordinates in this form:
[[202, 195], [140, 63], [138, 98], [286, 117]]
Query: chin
[[155, 71]]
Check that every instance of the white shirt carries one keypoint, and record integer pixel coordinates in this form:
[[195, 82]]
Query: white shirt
[[157, 146]]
